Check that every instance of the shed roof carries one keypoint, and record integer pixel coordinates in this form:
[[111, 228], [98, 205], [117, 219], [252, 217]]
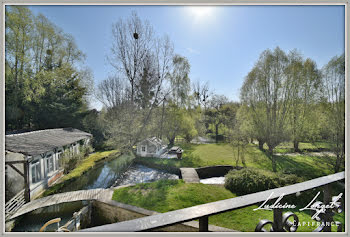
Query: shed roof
[[39, 142], [154, 140]]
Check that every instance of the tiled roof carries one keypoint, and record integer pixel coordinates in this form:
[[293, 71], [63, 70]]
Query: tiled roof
[[39, 142]]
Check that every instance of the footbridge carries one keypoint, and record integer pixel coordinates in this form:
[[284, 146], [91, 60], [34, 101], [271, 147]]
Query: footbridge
[[81, 195]]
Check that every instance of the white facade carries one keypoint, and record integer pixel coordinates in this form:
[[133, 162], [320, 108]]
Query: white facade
[[151, 147], [44, 169]]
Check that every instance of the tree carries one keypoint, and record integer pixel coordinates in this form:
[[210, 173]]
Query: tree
[[334, 105], [179, 80], [132, 42], [37, 54], [144, 61], [61, 103], [305, 82], [111, 92], [266, 93], [178, 121], [219, 113]]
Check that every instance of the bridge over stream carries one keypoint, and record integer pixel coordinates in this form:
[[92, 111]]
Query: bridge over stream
[[80, 195]]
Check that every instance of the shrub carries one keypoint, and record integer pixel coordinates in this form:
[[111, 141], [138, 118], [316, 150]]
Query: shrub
[[249, 180]]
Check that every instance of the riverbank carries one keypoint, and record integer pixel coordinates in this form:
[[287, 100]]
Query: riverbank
[[86, 165]]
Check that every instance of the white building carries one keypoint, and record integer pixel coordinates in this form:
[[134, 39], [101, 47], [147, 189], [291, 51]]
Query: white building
[[32, 159], [150, 147]]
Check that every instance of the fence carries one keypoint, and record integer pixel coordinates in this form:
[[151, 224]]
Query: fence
[[14, 204]]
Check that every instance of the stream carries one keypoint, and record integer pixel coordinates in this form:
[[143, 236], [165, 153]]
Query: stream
[[116, 172]]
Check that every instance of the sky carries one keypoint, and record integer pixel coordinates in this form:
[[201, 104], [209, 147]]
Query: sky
[[222, 43]]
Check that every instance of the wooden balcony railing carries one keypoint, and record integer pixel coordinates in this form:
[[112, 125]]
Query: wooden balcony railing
[[281, 222], [14, 204]]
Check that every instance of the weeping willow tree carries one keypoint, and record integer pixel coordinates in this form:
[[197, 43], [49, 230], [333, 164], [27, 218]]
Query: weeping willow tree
[[266, 97]]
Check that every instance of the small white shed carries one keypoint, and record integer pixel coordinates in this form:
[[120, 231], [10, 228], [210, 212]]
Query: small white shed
[[150, 147]]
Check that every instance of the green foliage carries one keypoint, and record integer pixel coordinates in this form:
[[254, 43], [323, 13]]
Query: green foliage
[[249, 180], [70, 162], [44, 88]]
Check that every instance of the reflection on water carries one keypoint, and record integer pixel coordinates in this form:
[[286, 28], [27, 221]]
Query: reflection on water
[[142, 174], [213, 180], [34, 220]]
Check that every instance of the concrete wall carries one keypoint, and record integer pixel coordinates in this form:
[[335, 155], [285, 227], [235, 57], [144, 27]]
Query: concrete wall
[[108, 212]]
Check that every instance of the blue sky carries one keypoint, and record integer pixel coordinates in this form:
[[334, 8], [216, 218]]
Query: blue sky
[[222, 43]]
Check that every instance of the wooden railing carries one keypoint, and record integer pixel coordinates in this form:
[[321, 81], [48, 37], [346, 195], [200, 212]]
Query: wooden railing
[[14, 204], [281, 222]]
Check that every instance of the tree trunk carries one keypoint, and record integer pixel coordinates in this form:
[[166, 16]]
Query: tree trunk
[[216, 132], [161, 122], [261, 145], [296, 146], [171, 141], [270, 154]]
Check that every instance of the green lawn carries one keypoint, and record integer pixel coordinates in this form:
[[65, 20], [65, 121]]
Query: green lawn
[[168, 195], [287, 147], [302, 165]]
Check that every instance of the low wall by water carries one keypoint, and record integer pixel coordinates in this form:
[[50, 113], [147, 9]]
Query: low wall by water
[[108, 212], [215, 171]]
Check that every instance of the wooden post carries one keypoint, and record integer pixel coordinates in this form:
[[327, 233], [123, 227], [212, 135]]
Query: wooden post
[[26, 181], [203, 224], [327, 198], [277, 220]]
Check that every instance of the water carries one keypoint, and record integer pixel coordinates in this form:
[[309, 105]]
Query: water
[[213, 180], [103, 176], [116, 172], [33, 221], [142, 174]]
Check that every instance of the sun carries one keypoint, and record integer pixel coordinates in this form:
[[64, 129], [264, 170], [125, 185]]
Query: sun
[[200, 12]]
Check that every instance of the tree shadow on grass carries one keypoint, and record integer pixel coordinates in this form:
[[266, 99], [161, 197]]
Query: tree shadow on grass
[[288, 165]]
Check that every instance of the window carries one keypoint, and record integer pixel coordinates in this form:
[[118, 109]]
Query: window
[[58, 160], [49, 163], [143, 148], [36, 172]]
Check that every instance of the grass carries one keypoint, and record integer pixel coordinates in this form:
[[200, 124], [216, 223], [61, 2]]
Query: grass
[[85, 165], [168, 195], [303, 165], [287, 147]]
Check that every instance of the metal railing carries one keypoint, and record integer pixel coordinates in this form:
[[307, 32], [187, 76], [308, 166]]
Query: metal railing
[[281, 221], [14, 204]]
